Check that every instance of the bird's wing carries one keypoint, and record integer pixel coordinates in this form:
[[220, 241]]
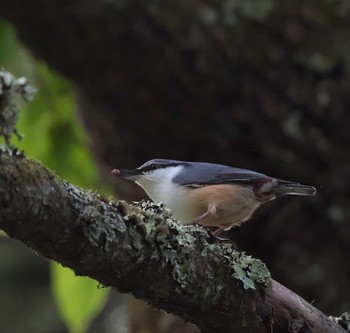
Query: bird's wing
[[203, 174]]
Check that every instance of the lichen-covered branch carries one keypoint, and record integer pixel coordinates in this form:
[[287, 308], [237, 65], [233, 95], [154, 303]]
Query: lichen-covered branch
[[139, 249], [10, 87]]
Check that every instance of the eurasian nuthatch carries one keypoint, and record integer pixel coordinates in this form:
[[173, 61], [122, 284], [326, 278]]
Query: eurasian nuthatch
[[211, 194]]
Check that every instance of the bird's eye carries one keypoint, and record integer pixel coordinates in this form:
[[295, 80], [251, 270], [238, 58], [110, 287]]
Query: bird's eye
[[149, 167], [154, 166]]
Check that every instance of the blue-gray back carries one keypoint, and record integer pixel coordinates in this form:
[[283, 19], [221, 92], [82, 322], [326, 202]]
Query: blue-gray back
[[210, 174]]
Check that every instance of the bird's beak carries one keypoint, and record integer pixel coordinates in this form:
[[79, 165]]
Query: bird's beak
[[127, 174]]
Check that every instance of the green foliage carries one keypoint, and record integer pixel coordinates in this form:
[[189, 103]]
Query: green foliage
[[78, 298], [11, 55], [51, 124], [52, 131], [53, 134]]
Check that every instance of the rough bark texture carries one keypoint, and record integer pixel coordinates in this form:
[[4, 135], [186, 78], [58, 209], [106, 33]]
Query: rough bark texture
[[175, 268]]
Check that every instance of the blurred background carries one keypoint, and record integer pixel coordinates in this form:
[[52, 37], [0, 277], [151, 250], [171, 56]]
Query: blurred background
[[262, 85]]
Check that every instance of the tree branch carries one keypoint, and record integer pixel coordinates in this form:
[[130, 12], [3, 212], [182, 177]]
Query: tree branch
[[139, 249]]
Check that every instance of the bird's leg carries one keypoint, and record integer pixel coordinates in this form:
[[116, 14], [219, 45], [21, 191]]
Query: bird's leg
[[200, 217], [211, 210], [218, 231]]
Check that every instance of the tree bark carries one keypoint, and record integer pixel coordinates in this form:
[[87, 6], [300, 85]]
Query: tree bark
[[141, 250]]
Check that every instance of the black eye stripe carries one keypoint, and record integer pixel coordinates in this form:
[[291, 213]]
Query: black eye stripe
[[155, 166], [148, 168]]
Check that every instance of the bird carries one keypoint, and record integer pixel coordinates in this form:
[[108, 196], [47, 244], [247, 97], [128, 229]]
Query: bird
[[209, 194]]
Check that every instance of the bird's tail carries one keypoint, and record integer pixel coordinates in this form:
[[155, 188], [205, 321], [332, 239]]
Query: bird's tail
[[290, 188]]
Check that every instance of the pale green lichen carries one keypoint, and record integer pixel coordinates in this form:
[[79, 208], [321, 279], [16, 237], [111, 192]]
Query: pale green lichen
[[251, 271], [343, 320], [156, 223], [245, 268], [100, 222], [10, 88]]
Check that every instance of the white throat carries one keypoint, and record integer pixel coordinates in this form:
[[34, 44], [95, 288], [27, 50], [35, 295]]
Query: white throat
[[159, 187]]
